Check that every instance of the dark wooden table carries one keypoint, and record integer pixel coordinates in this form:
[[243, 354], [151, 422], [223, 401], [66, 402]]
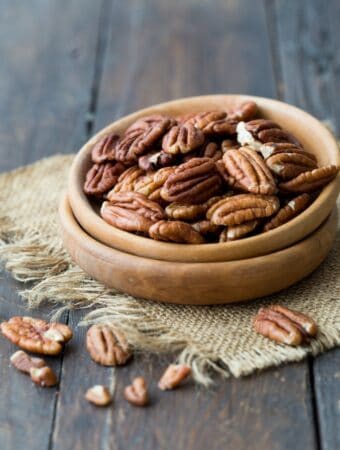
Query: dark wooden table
[[69, 67]]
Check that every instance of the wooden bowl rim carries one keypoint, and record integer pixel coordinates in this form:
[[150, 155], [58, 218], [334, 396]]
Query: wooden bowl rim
[[257, 245]]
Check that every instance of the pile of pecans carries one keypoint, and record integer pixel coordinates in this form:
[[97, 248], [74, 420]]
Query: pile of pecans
[[211, 176], [108, 346]]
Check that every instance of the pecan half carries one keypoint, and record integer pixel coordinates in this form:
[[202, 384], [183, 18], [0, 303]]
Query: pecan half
[[184, 211], [248, 171], [175, 231], [36, 335], [192, 182], [205, 227], [182, 139], [310, 181], [210, 150], [174, 375], [288, 212], [228, 144], [131, 211], [284, 325], [238, 231], [163, 123], [156, 160], [213, 123], [137, 393], [104, 149], [102, 177], [107, 345], [24, 362], [98, 395], [242, 208], [245, 111], [43, 376], [126, 181], [248, 133]]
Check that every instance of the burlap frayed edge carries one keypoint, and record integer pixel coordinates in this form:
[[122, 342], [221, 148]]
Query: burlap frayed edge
[[59, 282]]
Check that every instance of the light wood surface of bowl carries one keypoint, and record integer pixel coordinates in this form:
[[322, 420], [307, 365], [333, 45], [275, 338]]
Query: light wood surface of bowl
[[312, 134], [195, 283]]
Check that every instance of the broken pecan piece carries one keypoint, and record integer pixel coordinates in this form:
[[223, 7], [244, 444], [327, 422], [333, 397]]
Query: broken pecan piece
[[175, 231], [131, 211], [107, 345], [137, 393], [238, 231], [184, 211], [24, 362], [43, 376], [174, 375], [310, 181], [284, 325], [98, 395], [248, 171], [242, 208], [36, 335], [288, 212], [182, 139], [104, 149], [192, 182], [102, 177]]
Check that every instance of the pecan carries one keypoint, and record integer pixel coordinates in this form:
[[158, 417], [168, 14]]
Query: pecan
[[287, 160], [175, 231], [184, 211], [24, 362], [208, 150], [126, 181], [43, 376], [247, 133], [242, 208], [238, 231], [36, 335], [131, 211], [155, 120], [248, 171], [174, 375], [107, 345], [193, 182], [137, 393], [288, 212], [245, 111], [277, 135], [212, 123], [228, 144], [205, 227], [104, 149], [98, 395], [284, 325], [182, 139], [221, 169], [310, 181], [102, 177], [147, 186], [156, 160]]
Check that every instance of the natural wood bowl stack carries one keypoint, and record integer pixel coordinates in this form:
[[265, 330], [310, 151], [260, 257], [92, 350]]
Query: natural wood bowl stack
[[210, 273]]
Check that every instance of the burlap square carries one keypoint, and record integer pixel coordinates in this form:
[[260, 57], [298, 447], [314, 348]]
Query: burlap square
[[216, 338]]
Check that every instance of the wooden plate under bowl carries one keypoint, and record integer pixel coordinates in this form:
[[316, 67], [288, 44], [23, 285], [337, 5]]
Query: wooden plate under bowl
[[195, 283], [312, 134]]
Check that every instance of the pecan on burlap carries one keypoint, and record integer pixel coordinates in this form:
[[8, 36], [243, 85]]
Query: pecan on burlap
[[287, 160], [192, 182], [102, 177], [175, 231], [242, 208], [310, 181], [234, 232], [36, 335], [107, 345], [288, 212], [131, 211], [104, 149], [182, 139], [284, 325], [248, 172]]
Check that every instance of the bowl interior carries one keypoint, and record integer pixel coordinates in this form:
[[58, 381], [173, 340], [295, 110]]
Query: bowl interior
[[312, 134]]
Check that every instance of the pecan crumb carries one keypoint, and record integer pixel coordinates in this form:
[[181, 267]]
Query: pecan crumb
[[137, 393], [43, 376], [24, 362], [98, 395]]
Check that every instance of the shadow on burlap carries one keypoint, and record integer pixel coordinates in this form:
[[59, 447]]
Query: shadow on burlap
[[211, 338]]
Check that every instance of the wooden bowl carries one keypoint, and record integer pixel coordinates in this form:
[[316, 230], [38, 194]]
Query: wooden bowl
[[313, 135], [195, 283]]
